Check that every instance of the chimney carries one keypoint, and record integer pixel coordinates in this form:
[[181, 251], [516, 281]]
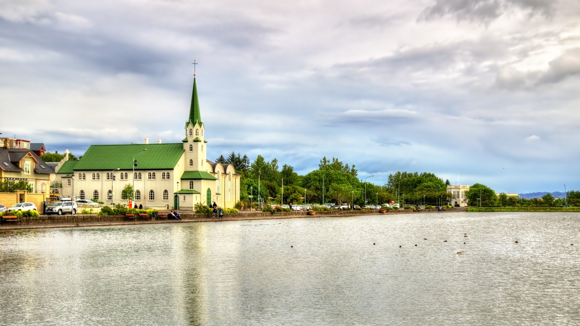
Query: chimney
[[158, 141], [146, 140]]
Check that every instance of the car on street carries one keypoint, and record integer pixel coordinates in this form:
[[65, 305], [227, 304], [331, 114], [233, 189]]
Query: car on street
[[344, 206], [22, 207], [62, 208], [2, 208], [87, 202]]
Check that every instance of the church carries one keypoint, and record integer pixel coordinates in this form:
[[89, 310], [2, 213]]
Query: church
[[173, 175]]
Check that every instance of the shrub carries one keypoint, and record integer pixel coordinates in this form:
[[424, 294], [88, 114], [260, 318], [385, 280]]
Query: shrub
[[267, 209], [231, 211], [106, 210], [202, 209], [34, 214], [320, 208]]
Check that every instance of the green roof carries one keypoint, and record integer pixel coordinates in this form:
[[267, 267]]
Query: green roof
[[197, 140], [194, 114], [184, 140], [187, 191], [67, 167], [110, 157], [197, 175]]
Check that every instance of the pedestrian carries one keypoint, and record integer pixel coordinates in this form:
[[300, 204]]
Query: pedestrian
[[176, 214], [214, 205], [140, 206], [221, 213], [290, 206], [214, 212]]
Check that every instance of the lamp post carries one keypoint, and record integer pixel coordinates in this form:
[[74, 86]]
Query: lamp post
[[113, 184], [135, 164], [370, 176]]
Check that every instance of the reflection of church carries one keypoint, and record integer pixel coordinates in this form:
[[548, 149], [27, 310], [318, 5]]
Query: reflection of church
[[175, 175]]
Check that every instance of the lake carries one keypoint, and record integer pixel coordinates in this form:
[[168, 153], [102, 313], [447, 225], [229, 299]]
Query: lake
[[321, 271]]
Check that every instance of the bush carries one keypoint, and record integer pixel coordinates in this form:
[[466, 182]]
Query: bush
[[320, 208], [85, 211], [202, 209], [231, 211], [267, 209], [106, 210]]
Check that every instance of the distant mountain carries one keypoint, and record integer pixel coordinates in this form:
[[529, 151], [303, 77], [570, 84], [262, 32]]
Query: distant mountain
[[532, 195]]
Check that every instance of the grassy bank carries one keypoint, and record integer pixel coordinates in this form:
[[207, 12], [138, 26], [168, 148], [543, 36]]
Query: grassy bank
[[523, 209]]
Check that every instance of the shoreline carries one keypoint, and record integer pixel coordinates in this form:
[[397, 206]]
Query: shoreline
[[192, 218]]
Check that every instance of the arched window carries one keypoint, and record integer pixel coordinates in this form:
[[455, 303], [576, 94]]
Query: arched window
[[108, 176], [69, 182], [167, 175], [110, 195], [190, 184], [151, 194], [149, 175], [121, 176], [96, 195], [134, 175], [230, 186], [191, 148], [153, 175], [165, 195], [94, 176], [191, 132], [137, 195], [82, 194], [190, 162], [163, 175], [98, 176], [126, 175], [139, 175], [197, 132]]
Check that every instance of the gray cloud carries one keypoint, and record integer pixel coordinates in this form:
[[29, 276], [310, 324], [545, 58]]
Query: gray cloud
[[484, 10]]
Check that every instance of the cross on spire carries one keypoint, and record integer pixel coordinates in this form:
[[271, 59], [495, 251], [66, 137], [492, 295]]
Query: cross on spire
[[194, 64]]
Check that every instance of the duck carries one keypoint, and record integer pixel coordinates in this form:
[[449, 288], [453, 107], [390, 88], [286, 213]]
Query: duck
[[465, 235], [457, 252], [517, 241], [444, 240]]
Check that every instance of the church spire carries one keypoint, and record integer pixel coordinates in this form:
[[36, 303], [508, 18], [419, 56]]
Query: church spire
[[194, 114]]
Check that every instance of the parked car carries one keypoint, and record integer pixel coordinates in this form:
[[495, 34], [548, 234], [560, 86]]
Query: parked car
[[344, 206], [2, 208], [87, 202], [61, 208], [22, 207]]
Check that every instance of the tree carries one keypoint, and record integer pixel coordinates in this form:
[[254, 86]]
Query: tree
[[447, 183], [477, 191], [11, 186], [221, 160], [503, 199], [548, 199], [127, 192], [55, 157], [340, 192]]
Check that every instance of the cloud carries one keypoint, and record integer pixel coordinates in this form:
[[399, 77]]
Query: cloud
[[533, 138], [377, 117], [484, 10]]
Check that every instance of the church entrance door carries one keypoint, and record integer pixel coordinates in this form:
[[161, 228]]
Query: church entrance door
[[176, 201], [208, 197]]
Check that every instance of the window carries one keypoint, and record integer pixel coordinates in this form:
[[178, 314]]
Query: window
[[108, 176], [126, 175], [137, 195], [98, 176], [149, 175], [191, 132], [84, 176], [190, 184], [26, 167], [197, 132], [122, 176], [110, 195], [139, 175], [69, 182], [163, 176], [190, 162], [95, 195], [151, 194], [153, 175], [191, 148], [165, 195], [94, 177], [167, 175]]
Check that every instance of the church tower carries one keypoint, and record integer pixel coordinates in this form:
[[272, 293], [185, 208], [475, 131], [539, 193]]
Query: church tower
[[194, 141]]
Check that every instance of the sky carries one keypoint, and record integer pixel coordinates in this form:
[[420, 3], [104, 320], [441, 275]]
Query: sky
[[472, 90]]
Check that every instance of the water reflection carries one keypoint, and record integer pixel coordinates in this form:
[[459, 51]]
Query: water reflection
[[247, 272]]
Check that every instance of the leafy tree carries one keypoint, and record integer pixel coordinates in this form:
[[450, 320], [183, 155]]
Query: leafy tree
[[447, 183], [11, 186], [290, 177], [503, 199], [548, 199], [340, 192], [477, 191], [336, 165], [55, 157], [221, 160], [127, 192]]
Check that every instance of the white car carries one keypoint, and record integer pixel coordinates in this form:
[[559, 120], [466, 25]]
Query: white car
[[61, 208], [344, 206], [22, 207], [2, 208], [87, 202]]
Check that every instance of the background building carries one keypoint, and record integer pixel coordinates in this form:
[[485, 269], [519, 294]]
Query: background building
[[458, 192]]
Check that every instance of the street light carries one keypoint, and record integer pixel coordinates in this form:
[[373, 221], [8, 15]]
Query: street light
[[113, 184], [135, 164], [370, 176]]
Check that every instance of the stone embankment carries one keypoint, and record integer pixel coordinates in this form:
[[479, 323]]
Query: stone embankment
[[80, 220]]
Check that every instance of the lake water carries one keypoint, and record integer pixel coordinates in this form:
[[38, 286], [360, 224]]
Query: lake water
[[247, 273]]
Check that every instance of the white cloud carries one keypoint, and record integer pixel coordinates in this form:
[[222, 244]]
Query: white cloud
[[533, 138]]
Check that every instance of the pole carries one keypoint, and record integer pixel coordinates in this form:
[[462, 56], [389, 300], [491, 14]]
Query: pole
[[565, 196], [135, 163], [259, 193]]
